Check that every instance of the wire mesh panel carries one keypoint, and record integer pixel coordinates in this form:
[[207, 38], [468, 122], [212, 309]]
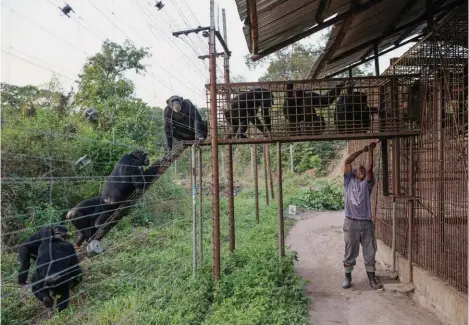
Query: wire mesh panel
[[439, 99], [342, 108]]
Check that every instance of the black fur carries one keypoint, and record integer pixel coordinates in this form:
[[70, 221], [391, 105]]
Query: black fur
[[127, 176], [29, 248], [243, 109], [57, 271], [182, 121], [299, 108], [353, 114], [83, 216]]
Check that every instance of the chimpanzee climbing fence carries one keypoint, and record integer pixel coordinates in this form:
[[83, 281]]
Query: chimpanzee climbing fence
[[439, 175], [304, 110]]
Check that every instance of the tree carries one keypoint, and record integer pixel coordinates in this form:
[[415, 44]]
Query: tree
[[102, 76]]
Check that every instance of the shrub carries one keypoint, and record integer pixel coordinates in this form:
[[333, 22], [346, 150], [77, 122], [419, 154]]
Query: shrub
[[326, 196]]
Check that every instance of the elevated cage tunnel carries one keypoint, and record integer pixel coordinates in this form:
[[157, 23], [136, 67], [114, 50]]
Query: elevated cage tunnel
[[307, 110]]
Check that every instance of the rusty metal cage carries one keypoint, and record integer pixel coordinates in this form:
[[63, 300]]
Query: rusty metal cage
[[339, 108], [431, 167]]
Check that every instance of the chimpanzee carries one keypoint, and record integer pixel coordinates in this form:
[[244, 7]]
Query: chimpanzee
[[28, 249], [57, 271], [127, 176], [299, 108], [91, 114], [83, 216], [353, 113], [243, 109], [182, 121]]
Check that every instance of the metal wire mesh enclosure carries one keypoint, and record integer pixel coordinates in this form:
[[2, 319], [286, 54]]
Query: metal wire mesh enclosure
[[433, 166], [339, 108]]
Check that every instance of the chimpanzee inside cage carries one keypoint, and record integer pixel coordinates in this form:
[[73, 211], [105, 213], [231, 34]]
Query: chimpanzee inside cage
[[326, 109]]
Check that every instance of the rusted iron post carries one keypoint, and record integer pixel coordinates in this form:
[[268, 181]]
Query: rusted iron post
[[229, 148], [266, 176], [395, 195], [194, 210], [410, 207], [214, 147], [269, 166], [281, 235], [440, 215], [256, 181], [292, 167], [201, 219]]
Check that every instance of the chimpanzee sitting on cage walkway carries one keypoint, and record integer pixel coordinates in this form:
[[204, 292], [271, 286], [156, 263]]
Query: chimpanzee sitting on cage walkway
[[182, 121]]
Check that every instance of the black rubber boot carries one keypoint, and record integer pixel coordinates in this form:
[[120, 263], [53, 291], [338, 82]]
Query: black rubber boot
[[373, 281], [347, 281]]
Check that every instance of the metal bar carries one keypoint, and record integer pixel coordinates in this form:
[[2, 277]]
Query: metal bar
[[344, 27], [188, 31], [440, 215], [292, 167], [201, 229], [269, 166], [223, 44], [395, 194], [231, 218], [308, 81], [254, 29], [194, 210], [266, 176], [410, 208], [319, 137], [315, 29], [413, 39], [214, 148], [281, 234], [393, 240], [256, 182], [375, 49]]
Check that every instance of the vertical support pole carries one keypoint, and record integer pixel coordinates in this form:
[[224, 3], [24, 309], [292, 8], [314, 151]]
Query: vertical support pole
[[266, 176], [395, 194], [214, 147], [256, 181], [281, 234], [269, 166], [410, 207], [376, 53], [194, 210], [226, 64], [201, 218], [440, 215], [252, 162], [292, 168]]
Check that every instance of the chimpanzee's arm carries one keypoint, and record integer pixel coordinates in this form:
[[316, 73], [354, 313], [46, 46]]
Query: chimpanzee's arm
[[168, 128], [25, 264]]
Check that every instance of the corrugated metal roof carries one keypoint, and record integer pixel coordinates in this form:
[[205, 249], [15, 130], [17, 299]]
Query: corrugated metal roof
[[280, 22], [388, 22]]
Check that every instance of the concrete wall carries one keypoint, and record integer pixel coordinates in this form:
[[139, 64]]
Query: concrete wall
[[449, 304]]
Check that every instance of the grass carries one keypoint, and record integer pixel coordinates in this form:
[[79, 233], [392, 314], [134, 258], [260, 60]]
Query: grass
[[145, 275]]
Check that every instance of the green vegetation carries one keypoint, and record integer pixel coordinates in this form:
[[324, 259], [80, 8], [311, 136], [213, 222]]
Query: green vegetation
[[145, 274], [324, 196]]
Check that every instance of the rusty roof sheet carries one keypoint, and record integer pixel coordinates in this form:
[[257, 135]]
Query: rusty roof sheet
[[384, 22]]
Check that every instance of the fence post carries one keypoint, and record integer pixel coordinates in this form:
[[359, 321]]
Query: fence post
[[281, 235]]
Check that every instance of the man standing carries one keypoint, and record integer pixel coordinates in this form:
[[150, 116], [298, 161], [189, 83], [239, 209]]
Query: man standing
[[358, 226]]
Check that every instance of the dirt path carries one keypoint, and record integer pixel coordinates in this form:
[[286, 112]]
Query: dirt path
[[318, 239]]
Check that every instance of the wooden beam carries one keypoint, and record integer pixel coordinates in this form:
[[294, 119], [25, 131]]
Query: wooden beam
[[323, 4], [253, 26], [337, 41]]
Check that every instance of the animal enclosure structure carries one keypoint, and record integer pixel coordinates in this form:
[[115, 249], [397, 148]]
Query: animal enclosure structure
[[428, 173], [304, 110]]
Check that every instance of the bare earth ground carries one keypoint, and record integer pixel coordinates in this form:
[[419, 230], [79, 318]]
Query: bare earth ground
[[317, 237]]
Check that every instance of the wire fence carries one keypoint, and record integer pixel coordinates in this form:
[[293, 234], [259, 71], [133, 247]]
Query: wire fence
[[439, 171]]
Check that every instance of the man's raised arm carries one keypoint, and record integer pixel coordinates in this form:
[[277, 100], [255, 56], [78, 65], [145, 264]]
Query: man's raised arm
[[351, 158]]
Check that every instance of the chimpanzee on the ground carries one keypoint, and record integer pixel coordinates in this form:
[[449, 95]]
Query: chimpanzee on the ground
[[299, 108], [28, 249], [353, 114], [243, 109], [83, 216], [57, 271], [182, 121], [127, 176]]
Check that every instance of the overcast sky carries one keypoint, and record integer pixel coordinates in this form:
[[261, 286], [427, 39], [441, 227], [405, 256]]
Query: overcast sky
[[37, 40]]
